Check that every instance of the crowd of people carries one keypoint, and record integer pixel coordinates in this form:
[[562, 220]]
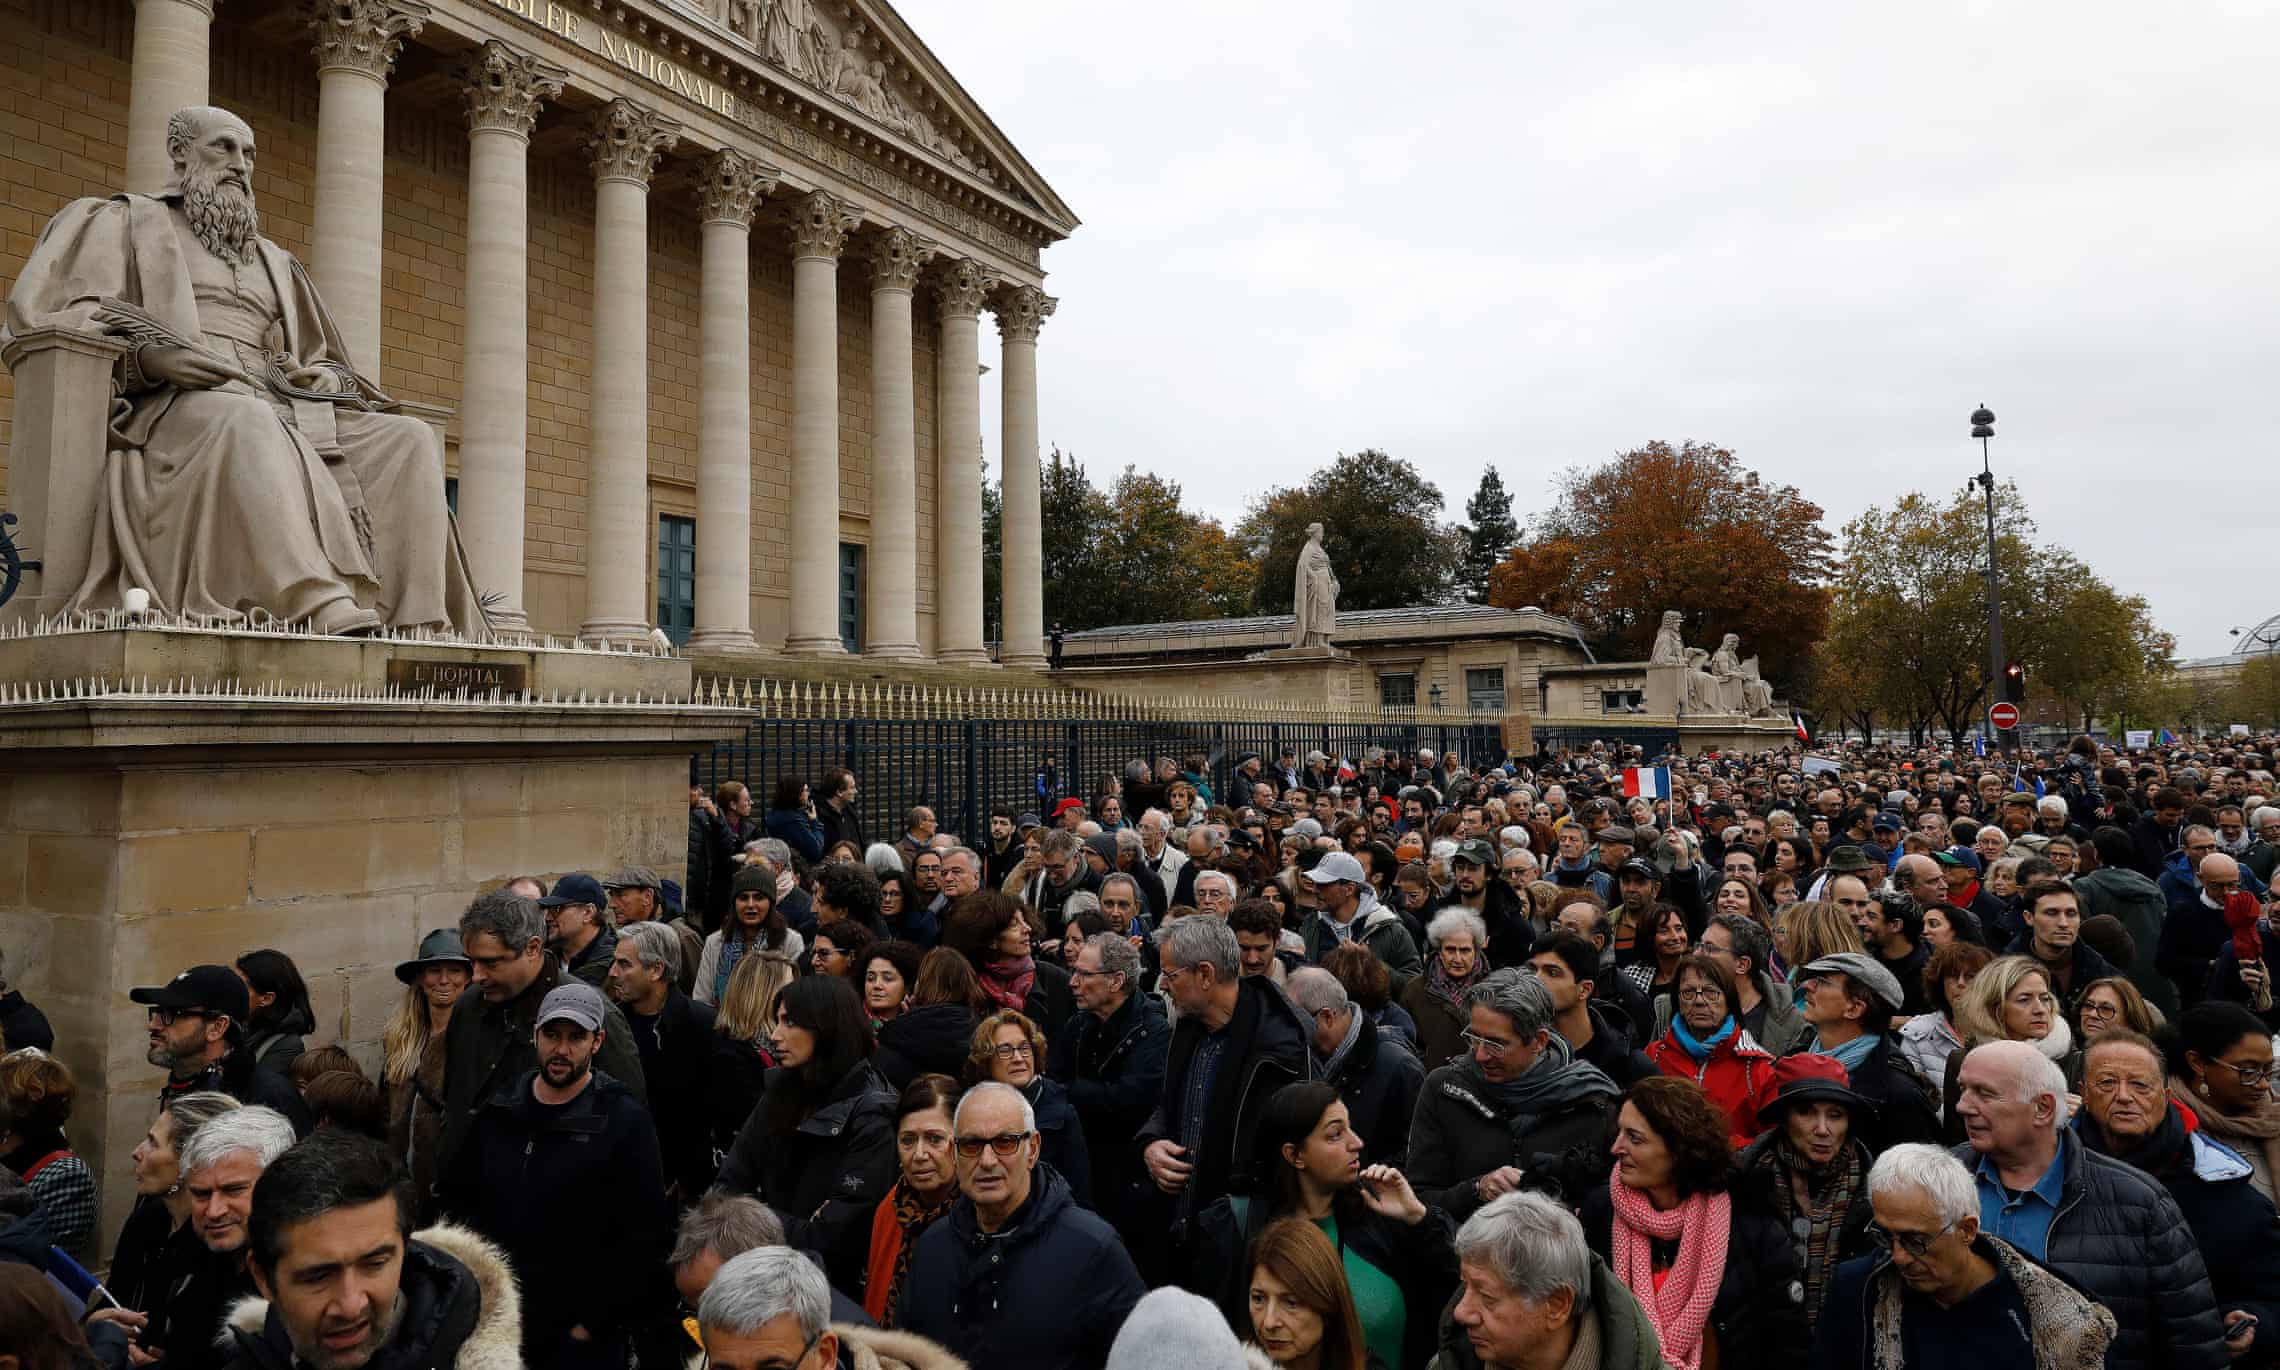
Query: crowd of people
[[1885, 1057]]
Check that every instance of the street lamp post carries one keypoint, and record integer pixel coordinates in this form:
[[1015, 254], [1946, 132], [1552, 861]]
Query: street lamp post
[[1983, 428]]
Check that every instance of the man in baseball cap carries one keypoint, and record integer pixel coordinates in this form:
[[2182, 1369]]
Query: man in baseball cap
[[1475, 889], [197, 1024], [578, 927], [1849, 1003], [1348, 911], [561, 1171]]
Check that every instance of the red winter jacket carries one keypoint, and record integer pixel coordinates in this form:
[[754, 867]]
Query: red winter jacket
[[1737, 1075]]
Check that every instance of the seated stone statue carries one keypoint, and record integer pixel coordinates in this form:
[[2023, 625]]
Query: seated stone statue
[[1701, 692], [1757, 691], [252, 470]]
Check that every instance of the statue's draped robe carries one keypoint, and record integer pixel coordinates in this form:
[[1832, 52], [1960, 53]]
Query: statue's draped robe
[[233, 501], [1726, 668], [1316, 602]]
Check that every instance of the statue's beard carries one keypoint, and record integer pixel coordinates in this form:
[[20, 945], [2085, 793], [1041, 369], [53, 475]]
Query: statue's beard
[[221, 216]]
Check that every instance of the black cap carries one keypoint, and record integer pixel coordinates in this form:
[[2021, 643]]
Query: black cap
[[1640, 867], [575, 888], [204, 989]]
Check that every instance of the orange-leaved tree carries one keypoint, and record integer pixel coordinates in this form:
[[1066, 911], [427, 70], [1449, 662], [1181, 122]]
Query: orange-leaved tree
[[1686, 528]]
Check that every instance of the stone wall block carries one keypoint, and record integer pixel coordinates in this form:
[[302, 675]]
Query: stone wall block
[[64, 873], [346, 858], [500, 847]]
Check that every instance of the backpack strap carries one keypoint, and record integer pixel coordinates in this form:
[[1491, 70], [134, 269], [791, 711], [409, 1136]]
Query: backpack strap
[[44, 1162]]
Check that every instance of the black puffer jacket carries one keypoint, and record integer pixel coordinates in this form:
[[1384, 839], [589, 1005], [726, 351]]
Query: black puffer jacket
[[827, 1174], [1379, 1081], [2119, 1236], [929, 1039], [2233, 1223], [1759, 1314], [1457, 1136]]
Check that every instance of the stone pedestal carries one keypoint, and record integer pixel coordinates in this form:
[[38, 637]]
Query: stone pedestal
[[145, 830], [57, 459]]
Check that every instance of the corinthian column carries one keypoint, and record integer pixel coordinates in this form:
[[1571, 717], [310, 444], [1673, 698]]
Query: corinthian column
[[819, 224], [504, 90], [1021, 578], [172, 59], [896, 257], [624, 140], [357, 43], [959, 291], [733, 186]]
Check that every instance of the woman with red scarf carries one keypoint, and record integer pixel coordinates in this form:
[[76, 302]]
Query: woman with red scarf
[[994, 931], [1704, 1269]]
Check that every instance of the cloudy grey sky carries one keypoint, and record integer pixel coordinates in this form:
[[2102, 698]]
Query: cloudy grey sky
[[1539, 234]]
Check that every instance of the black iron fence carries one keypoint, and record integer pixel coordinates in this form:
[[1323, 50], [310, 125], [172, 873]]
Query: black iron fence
[[951, 755]]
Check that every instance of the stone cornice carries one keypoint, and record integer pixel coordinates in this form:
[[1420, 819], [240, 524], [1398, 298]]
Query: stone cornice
[[364, 36], [897, 256], [504, 88], [733, 187], [1021, 311], [820, 222], [625, 139], [962, 287]]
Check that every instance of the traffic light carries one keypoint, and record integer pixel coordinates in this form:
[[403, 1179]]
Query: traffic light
[[2015, 683]]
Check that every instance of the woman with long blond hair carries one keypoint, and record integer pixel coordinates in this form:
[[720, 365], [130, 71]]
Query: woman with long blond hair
[[2009, 1000], [411, 1050], [743, 1050]]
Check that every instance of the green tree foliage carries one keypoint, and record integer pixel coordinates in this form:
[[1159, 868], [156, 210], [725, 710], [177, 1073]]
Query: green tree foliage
[[1910, 616], [1686, 528], [1490, 532], [1381, 525], [2254, 697]]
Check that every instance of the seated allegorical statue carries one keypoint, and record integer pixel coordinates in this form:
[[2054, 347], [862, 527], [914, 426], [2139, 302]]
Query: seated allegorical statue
[[252, 470]]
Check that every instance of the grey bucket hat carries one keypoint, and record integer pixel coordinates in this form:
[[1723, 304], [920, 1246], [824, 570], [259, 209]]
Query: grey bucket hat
[[440, 947]]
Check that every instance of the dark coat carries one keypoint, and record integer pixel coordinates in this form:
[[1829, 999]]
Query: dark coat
[[2087, 967], [1266, 1049], [739, 1071], [1440, 1024], [826, 1175], [841, 825], [2140, 907], [1113, 1071], [240, 1077], [1755, 1178], [795, 829], [1759, 1314], [1511, 936], [1051, 1003], [486, 1046], [929, 1039], [2119, 1236], [1047, 1291], [677, 1066], [458, 1312], [565, 1193], [1378, 1081], [23, 1025], [1063, 1134], [1458, 1136], [1420, 1257], [1610, 1049], [2233, 1223], [2065, 1328], [696, 898]]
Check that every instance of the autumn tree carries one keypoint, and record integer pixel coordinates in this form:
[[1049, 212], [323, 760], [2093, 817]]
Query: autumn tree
[[1686, 528], [1490, 532], [1910, 612], [1381, 525], [2254, 697]]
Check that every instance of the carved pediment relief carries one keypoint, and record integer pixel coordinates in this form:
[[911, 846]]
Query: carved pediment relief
[[864, 57]]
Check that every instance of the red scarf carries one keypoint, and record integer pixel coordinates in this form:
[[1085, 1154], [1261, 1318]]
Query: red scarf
[[1007, 981], [1680, 1307]]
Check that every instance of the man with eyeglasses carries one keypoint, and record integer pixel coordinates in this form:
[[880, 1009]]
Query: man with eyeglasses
[[1109, 1056], [197, 1024], [2111, 1229], [2262, 854], [1939, 1292], [770, 1308], [1016, 1273]]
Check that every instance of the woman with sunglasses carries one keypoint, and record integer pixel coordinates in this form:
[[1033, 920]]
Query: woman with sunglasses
[[1008, 1048], [1396, 1254], [2220, 1067]]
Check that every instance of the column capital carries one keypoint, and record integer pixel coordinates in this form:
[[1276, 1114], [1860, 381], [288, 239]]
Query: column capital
[[205, 7], [820, 222], [1021, 311], [506, 87], [625, 139], [733, 187], [897, 256], [961, 287], [364, 36]]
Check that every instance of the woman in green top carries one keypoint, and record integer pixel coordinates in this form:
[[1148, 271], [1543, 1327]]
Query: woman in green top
[[1398, 1254]]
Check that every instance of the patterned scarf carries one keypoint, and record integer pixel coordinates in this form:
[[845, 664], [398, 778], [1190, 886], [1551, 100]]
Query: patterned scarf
[[913, 1215], [1680, 1309], [1440, 982], [1007, 981], [1829, 1192]]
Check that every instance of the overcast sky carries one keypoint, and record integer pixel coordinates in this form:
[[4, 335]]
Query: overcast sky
[[1540, 234]]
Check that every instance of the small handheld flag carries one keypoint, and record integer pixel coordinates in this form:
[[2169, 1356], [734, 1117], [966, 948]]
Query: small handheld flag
[[1797, 721], [2165, 738], [1646, 782]]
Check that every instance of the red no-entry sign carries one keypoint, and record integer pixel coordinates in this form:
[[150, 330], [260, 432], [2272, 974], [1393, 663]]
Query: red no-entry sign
[[2004, 716]]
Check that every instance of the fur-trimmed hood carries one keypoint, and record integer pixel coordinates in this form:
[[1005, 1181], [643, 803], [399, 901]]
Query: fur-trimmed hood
[[448, 1258]]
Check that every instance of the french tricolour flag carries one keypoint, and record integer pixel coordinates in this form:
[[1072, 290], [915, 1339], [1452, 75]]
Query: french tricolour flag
[[1646, 782]]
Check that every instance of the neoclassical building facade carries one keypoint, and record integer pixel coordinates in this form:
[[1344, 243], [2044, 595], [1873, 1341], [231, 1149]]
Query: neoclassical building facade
[[692, 288]]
